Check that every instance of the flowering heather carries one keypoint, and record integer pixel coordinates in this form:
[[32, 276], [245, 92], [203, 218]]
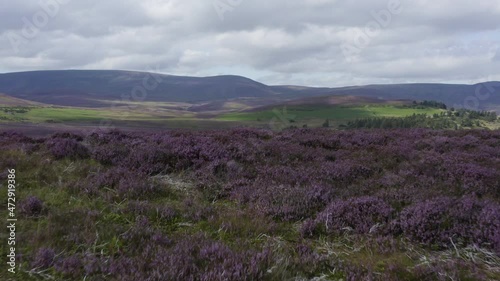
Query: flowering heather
[[441, 220], [31, 206], [248, 204], [44, 258], [68, 147], [71, 266], [360, 215]]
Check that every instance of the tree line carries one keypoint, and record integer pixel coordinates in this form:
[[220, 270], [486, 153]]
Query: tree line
[[451, 119]]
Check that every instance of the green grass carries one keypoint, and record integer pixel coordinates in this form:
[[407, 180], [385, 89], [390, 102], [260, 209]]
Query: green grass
[[143, 116], [43, 114], [67, 114], [394, 111], [64, 114], [67, 226], [304, 113]]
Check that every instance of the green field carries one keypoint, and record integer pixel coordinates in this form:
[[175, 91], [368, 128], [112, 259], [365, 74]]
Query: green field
[[67, 114], [307, 113], [149, 116], [44, 114]]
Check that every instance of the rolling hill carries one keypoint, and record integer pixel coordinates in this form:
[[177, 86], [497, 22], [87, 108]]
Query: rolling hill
[[6, 100], [483, 96], [99, 88]]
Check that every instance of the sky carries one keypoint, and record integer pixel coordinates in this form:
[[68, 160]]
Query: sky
[[278, 42]]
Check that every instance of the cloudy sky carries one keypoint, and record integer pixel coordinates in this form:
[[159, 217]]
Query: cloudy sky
[[307, 42]]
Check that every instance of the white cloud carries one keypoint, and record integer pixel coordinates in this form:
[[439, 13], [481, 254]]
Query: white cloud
[[278, 42]]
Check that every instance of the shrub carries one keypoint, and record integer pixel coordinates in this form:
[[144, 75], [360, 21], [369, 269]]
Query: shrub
[[440, 221], [31, 206], [71, 266], [360, 215], [44, 258], [70, 148]]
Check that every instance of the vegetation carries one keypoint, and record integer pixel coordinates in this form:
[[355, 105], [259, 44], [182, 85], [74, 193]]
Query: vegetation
[[15, 109], [427, 104], [163, 115], [322, 112], [456, 119], [81, 115], [249, 204]]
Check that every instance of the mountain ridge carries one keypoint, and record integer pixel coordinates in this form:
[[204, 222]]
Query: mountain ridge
[[95, 88]]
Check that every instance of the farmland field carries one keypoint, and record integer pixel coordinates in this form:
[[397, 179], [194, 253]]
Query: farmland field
[[304, 113], [249, 204], [179, 115]]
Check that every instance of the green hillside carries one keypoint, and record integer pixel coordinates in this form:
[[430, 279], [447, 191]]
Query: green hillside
[[315, 113]]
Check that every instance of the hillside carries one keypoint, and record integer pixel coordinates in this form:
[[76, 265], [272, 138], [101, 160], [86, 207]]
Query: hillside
[[256, 205], [486, 96], [337, 110], [99, 88], [6, 100]]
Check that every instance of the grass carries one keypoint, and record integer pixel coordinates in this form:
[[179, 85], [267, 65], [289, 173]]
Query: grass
[[305, 113], [235, 105], [63, 114], [65, 225], [171, 115], [44, 114], [66, 219], [394, 111], [68, 114], [491, 125]]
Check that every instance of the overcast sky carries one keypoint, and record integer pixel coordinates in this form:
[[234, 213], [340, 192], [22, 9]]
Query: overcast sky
[[306, 42]]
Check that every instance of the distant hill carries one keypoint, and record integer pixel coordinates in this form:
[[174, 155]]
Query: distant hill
[[486, 96], [96, 88], [9, 101], [90, 88]]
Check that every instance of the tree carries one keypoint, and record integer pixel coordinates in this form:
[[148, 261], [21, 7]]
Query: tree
[[326, 124]]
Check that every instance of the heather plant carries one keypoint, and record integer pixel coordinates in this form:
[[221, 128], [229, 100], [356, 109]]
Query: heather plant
[[361, 215], [92, 265], [487, 231], [44, 258], [31, 206], [199, 258], [67, 135], [195, 210], [110, 154], [249, 204], [70, 266], [150, 159], [241, 224], [443, 220], [141, 233], [12, 139], [137, 187], [119, 183], [167, 213], [31, 148], [287, 203], [67, 147], [308, 260]]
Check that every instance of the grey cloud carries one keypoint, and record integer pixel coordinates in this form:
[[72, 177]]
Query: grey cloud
[[496, 57], [284, 42]]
